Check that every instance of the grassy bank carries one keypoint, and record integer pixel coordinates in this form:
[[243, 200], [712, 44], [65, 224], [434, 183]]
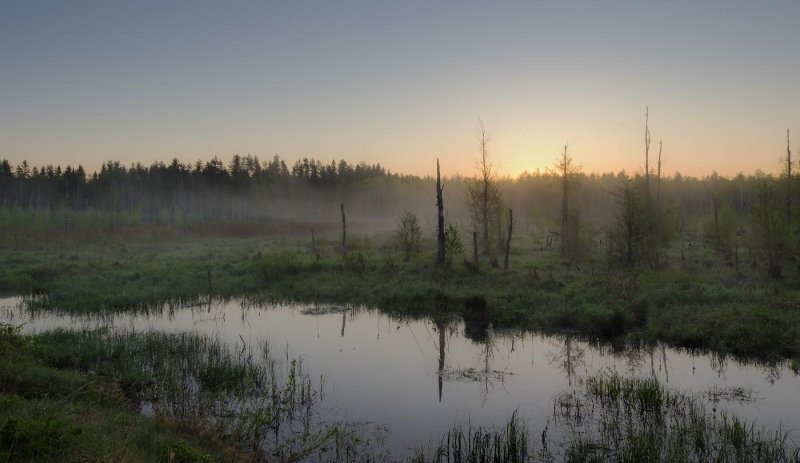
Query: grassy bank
[[172, 397], [701, 301], [50, 414]]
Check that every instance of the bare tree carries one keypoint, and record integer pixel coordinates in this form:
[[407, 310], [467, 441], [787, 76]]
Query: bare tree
[[508, 237], [658, 178], [344, 231], [483, 194], [641, 231], [647, 138], [475, 249], [568, 171], [788, 181], [440, 255]]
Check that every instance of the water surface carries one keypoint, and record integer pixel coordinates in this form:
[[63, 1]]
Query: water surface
[[418, 377]]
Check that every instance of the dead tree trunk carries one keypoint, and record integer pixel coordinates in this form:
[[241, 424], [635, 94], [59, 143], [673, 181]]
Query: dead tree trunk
[[475, 249], [647, 139], [508, 238], [440, 255], [344, 232], [658, 178], [659, 225], [564, 201], [788, 181]]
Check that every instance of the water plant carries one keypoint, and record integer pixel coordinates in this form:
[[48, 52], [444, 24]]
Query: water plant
[[479, 444], [263, 402], [608, 417]]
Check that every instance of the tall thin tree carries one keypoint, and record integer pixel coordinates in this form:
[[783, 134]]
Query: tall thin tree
[[508, 237], [788, 180], [344, 231], [647, 139], [440, 255], [567, 170], [658, 178], [483, 195]]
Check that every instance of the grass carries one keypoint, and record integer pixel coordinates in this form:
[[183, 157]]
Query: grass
[[206, 402], [614, 418], [476, 444], [610, 418], [49, 414], [702, 303]]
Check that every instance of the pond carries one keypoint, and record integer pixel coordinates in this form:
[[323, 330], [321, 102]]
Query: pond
[[415, 378]]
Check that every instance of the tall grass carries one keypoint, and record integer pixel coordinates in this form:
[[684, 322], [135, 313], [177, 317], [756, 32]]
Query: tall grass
[[477, 444], [610, 418], [263, 402], [619, 419]]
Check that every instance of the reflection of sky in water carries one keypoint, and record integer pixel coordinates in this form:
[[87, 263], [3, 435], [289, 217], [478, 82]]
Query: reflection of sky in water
[[383, 370]]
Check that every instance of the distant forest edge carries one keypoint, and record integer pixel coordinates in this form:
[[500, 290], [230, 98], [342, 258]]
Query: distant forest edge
[[247, 190]]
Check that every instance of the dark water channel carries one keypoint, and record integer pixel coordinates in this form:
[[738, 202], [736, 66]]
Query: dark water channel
[[417, 378]]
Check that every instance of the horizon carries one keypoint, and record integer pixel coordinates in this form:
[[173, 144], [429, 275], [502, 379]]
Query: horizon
[[402, 84]]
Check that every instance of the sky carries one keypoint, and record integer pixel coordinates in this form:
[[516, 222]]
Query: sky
[[401, 83]]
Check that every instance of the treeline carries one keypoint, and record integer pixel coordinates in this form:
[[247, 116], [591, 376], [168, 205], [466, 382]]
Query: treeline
[[246, 189], [210, 191], [309, 190]]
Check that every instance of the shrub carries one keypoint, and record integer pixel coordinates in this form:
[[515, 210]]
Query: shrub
[[407, 234]]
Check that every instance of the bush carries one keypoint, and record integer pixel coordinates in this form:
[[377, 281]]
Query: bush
[[452, 243], [407, 234]]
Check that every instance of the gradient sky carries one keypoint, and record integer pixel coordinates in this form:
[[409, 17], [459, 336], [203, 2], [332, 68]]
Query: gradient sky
[[401, 82]]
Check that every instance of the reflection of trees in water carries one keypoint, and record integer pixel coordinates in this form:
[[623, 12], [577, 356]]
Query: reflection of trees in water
[[476, 330], [772, 372], [479, 333], [443, 327], [719, 364], [568, 356], [636, 355], [440, 327], [488, 355]]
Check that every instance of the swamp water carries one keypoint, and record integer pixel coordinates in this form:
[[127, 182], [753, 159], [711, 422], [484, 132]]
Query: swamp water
[[413, 379]]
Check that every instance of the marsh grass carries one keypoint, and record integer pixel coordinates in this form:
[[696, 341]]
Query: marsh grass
[[259, 400], [614, 418], [478, 444], [55, 415], [611, 418], [692, 306]]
